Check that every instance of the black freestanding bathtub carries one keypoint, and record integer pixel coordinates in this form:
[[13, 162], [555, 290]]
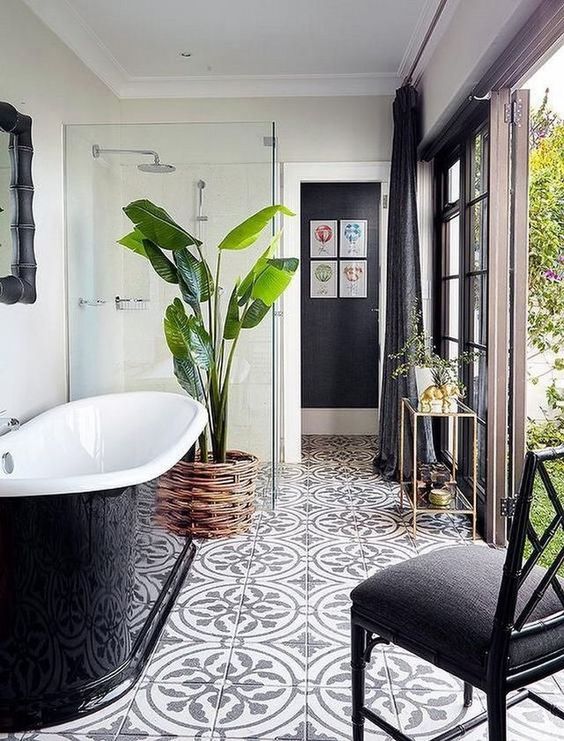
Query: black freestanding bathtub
[[87, 576]]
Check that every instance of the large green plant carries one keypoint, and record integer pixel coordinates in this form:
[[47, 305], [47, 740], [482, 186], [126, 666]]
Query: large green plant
[[203, 343]]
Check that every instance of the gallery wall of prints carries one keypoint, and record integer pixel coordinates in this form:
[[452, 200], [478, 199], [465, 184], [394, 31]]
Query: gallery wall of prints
[[338, 264]]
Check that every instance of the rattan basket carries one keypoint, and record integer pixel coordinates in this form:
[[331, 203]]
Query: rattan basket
[[209, 500]]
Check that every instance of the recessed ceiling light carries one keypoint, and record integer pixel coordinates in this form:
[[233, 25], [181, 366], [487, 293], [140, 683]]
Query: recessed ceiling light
[[185, 54]]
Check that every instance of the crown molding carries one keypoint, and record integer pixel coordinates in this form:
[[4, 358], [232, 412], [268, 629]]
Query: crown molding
[[70, 27], [259, 86]]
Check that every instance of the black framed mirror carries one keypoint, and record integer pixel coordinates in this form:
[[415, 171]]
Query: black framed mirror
[[17, 228]]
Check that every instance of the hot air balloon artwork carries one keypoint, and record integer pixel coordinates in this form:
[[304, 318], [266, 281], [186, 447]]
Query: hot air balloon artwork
[[323, 279], [353, 283], [353, 237], [323, 238]]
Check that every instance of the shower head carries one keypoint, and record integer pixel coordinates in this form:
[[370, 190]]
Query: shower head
[[201, 184], [155, 166]]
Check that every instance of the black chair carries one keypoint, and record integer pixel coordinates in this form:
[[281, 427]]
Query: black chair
[[489, 617]]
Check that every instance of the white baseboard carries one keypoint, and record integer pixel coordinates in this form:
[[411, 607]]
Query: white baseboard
[[339, 421]]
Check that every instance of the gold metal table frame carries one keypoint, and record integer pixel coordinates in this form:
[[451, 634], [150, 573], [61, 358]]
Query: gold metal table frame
[[409, 489]]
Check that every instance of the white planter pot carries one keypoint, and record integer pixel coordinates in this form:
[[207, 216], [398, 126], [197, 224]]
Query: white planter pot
[[423, 378]]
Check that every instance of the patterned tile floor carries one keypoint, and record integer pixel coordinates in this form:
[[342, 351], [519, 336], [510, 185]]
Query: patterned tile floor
[[257, 646]]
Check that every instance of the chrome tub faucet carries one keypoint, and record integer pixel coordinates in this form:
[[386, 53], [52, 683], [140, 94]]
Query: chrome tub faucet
[[7, 424]]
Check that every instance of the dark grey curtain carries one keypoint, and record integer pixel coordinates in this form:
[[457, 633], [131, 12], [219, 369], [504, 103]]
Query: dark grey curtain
[[403, 286]]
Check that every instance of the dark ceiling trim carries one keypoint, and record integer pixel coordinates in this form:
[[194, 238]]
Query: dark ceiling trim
[[538, 34]]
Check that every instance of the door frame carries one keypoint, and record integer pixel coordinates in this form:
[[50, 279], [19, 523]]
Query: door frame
[[293, 175], [519, 286]]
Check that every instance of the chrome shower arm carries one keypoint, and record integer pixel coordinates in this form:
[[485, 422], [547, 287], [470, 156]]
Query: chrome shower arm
[[97, 150]]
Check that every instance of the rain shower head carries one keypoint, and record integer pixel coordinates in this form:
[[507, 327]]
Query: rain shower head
[[155, 166]]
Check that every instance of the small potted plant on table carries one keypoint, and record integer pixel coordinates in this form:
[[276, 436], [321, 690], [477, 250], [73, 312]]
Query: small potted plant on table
[[212, 492], [438, 383]]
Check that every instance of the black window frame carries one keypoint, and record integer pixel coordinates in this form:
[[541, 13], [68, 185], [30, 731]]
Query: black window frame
[[460, 150]]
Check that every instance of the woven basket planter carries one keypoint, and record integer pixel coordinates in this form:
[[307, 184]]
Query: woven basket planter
[[209, 500]]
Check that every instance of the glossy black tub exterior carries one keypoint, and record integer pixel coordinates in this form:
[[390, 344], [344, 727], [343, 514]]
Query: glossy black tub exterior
[[86, 582]]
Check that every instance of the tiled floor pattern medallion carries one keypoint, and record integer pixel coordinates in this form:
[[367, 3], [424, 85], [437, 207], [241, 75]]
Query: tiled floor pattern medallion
[[257, 646]]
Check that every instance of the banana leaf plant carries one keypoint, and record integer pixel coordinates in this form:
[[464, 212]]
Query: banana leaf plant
[[203, 344]]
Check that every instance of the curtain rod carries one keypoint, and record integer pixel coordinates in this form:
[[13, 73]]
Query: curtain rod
[[426, 39]]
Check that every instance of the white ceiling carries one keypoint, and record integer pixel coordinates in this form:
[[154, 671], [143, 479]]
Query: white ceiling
[[242, 47]]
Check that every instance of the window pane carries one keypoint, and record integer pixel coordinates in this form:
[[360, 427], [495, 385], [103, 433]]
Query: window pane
[[477, 384], [479, 235], [453, 246], [479, 165], [452, 350], [452, 307], [482, 456], [453, 182], [477, 328], [450, 435]]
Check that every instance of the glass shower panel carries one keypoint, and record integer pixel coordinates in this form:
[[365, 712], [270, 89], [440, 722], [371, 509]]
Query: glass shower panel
[[223, 173]]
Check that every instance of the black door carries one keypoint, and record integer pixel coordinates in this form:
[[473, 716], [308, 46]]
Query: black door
[[339, 336]]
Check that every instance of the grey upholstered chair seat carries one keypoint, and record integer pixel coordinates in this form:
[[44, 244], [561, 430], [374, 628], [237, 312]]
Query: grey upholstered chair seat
[[447, 600]]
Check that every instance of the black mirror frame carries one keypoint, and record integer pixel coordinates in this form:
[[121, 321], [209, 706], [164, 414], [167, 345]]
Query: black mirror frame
[[19, 287]]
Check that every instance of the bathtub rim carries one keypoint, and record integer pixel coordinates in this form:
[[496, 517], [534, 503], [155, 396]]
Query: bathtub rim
[[11, 486]]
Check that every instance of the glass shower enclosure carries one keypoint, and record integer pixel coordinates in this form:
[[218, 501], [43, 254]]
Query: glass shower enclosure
[[209, 177]]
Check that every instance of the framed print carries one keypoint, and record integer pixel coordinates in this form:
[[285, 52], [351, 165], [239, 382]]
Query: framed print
[[323, 238], [323, 279], [353, 238], [353, 279]]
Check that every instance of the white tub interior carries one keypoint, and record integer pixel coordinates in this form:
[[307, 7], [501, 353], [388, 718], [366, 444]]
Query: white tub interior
[[100, 443]]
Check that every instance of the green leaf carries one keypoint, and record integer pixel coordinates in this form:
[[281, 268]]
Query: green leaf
[[134, 242], [196, 281], [177, 330], [187, 375], [200, 343], [158, 226], [162, 265], [250, 230], [254, 314], [268, 286], [232, 320], [248, 281], [274, 279], [186, 337]]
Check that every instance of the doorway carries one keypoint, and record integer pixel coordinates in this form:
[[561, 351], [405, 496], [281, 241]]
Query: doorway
[[537, 265], [293, 176], [339, 307]]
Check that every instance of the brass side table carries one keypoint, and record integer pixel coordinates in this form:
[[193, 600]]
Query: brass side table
[[460, 504]]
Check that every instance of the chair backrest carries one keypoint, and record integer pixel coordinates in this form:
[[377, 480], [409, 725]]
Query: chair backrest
[[525, 549]]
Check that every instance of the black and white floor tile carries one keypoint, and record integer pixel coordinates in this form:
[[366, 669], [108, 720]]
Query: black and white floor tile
[[257, 645]]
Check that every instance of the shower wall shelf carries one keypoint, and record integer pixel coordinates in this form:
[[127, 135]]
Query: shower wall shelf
[[121, 304], [132, 304], [91, 302]]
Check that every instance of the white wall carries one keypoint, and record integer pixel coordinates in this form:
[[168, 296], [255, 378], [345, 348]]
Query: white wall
[[476, 35], [44, 79], [346, 129]]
